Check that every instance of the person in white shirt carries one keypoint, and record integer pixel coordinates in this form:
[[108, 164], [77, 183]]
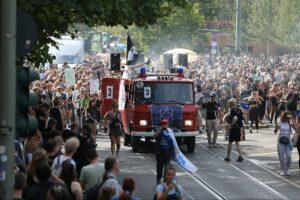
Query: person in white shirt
[[71, 146]]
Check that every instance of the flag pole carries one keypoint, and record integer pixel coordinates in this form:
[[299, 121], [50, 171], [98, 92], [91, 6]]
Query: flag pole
[[126, 58]]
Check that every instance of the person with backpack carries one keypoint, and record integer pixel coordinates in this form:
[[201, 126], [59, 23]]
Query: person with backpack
[[235, 121], [169, 190], [109, 180], [71, 146], [164, 149]]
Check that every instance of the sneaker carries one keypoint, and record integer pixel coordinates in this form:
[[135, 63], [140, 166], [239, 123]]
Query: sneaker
[[240, 159], [282, 174], [288, 173], [227, 159]]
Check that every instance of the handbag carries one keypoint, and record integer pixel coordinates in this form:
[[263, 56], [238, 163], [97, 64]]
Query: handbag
[[284, 139], [295, 139]]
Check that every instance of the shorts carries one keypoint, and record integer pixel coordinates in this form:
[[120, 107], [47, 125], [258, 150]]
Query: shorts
[[70, 106], [274, 101], [115, 131], [235, 135]]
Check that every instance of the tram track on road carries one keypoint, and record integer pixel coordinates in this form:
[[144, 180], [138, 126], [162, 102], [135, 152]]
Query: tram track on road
[[244, 173], [207, 186]]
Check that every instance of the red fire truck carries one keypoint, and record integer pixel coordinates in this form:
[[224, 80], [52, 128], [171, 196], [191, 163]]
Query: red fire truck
[[147, 99]]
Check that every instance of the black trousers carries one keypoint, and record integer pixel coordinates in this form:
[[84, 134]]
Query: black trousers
[[254, 115], [163, 159]]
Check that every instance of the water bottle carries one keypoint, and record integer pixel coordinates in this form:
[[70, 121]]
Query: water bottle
[[290, 146]]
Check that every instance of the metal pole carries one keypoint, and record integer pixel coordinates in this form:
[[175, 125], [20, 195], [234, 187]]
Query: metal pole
[[8, 99], [238, 30]]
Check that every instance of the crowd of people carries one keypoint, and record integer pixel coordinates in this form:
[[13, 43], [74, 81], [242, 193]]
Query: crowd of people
[[267, 92], [59, 159]]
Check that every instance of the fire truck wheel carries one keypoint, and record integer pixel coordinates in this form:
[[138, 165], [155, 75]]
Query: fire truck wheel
[[135, 144], [127, 139], [190, 144]]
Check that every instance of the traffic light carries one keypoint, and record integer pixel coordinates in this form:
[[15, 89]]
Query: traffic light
[[25, 99]]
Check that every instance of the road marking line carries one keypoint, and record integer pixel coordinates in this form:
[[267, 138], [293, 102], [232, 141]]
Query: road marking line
[[268, 146], [262, 154], [290, 170]]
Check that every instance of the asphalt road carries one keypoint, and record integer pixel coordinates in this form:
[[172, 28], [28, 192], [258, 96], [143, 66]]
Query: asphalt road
[[257, 177]]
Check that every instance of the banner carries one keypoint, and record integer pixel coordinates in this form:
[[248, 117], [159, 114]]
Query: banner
[[94, 86], [70, 76], [179, 157]]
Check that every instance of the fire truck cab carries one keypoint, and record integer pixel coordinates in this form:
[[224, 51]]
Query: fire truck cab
[[147, 99]]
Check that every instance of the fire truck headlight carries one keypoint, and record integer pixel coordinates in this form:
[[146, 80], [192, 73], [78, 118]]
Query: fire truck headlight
[[143, 122], [188, 123]]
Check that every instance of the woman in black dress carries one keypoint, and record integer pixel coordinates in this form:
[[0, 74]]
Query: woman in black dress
[[114, 123], [70, 106], [56, 113], [254, 101], [92, 114]]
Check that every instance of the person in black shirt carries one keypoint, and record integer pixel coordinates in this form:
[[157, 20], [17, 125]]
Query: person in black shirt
[[235, 122], [212, 115], [292, 99], [42, 116], [86, 142], [263, 92]]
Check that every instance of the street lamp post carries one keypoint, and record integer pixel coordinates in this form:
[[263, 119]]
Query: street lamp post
[[238, 31], [8, 100]]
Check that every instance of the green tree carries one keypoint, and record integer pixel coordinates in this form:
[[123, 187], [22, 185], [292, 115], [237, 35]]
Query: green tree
[[288, 24], [54, 17], [261, 26], [179, 29]]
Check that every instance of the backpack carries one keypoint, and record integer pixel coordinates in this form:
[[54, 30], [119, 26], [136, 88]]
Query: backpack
[[93, 192], [240, 117], [57, 167], [171, 196]]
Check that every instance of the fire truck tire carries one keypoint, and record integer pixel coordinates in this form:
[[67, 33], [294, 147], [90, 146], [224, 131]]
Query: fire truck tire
[[127, 139], [190, 144], [135, 144]]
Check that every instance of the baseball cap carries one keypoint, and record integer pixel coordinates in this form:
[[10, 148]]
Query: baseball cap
[[164, 122], [213, 94]]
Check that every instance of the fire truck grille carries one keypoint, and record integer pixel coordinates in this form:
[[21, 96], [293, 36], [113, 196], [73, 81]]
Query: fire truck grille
[[171, 112]]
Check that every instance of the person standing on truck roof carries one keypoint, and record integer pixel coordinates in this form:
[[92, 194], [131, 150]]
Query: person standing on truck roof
[[164, 149], [212, 115], [114, 123]]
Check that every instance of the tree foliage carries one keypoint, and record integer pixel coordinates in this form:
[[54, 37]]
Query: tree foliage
[[54, 17], [179, 29]]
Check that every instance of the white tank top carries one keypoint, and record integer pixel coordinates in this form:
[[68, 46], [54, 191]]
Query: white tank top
[[284, 128]]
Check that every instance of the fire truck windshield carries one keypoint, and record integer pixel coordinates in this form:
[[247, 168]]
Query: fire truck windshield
[[164, 93]]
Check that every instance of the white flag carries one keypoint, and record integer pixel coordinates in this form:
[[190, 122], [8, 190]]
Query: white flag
[[179, 156]]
